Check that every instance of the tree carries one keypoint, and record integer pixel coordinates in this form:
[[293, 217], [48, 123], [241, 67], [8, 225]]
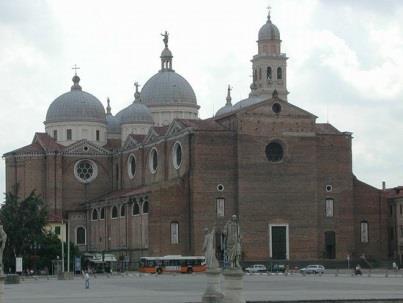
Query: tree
[[24, 221]]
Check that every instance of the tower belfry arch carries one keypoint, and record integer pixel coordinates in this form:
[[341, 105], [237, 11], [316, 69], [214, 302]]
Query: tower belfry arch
[[269, 64]]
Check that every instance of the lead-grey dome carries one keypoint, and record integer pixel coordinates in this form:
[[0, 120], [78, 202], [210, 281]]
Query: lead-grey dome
[[76, 105], [168, 88], [269, 31], [112, 124], [135, 113]]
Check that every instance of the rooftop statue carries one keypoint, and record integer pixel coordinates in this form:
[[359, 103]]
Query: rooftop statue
[[165, 35]]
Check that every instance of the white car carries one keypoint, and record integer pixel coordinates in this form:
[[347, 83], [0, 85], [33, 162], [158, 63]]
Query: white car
[[313, 269], [256, 268]]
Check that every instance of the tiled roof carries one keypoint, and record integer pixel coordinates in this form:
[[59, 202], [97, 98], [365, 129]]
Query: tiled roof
[[123, 193], [206, 124], [326, 128], [396, 192], [47, 142], [160, 130], [138, 138], [112, 144], [34, 148]]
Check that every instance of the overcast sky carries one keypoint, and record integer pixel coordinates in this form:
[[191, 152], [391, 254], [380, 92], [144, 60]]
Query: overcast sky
[[345, 62]]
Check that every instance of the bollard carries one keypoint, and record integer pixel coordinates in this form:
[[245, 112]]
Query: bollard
[[337, 273], [386, 273]]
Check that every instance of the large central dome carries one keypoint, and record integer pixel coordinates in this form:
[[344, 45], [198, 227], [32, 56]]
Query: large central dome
[[168, 88]]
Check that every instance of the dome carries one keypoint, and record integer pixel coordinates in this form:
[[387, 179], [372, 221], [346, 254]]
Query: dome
[[269, 31], [168, 88], [224, 110], [166, 53], [76, 105], [112, 124], [135, 113]]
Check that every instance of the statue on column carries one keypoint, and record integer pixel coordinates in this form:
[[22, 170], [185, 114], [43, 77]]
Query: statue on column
[[209, 248], [3, 239], [232, 242]]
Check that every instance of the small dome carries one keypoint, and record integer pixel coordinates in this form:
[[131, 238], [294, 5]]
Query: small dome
[[224, 110], [112, 124], [166, 53], [135, 113], [168, 88], [269, 31], [76, 105]]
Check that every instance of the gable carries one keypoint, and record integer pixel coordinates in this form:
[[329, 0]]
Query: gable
[[276, 108], [85, 147]]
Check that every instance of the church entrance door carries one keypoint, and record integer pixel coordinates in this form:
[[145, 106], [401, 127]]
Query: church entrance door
[[279, 242], [330, 244]]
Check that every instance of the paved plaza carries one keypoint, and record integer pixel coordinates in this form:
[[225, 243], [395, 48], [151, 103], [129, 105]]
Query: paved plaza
[[182, 288]]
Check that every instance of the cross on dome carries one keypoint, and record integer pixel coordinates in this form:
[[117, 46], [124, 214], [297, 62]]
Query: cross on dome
[[75, 67]]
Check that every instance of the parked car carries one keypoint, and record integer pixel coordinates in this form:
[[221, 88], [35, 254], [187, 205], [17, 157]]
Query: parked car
[[256, 268], [313, 269], [277, 268]]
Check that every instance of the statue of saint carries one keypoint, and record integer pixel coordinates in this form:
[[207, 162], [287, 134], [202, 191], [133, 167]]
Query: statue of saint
[[232, 242], [165, 40], [209, 248], [3, 239]]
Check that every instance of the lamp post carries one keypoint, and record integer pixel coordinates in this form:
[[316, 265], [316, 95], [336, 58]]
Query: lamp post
[[63, 237]]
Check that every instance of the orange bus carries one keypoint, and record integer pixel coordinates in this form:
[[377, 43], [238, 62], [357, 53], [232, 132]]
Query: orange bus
[[175, 263]]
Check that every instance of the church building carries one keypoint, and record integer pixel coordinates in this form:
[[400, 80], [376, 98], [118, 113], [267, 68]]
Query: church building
[[148, 180]]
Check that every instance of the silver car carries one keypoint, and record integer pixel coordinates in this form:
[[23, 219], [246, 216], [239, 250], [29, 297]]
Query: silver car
[[313, 269]]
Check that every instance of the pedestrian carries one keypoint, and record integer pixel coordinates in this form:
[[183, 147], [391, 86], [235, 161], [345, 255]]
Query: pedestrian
[[87, 280], [395, 267], [358, 270]]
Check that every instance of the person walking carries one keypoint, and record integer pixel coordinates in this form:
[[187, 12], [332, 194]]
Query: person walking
[[87, 280]]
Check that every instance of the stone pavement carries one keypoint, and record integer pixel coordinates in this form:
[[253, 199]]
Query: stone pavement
[[182, 288]]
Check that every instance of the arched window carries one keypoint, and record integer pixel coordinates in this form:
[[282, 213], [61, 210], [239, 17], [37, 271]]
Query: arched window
[[279, 73], [364, 232], [94, 214], [136, 209], [122, 210], [274, 152], [269, 73], [174, 233], [114, 212], [145, 207], [80, 235], [131, 166], [177, 155], [153, 160], [329, 207], [102, 213]]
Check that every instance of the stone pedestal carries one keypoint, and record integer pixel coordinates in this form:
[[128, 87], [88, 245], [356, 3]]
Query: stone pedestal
[[233, 286], [213, 292], [1, 288]]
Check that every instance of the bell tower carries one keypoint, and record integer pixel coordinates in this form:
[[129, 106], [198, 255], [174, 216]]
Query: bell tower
[[270, 64]]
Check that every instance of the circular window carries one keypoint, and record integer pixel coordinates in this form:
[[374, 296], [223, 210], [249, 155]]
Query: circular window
[[220, 187], [274, 152], [276, 108], [153, 160], [131, 166], [177, 155], [329, 188], [85, 171]]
